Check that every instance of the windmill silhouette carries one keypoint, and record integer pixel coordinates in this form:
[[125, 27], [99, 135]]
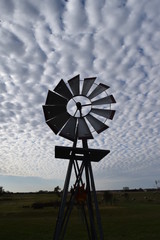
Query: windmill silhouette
[[76, 111]]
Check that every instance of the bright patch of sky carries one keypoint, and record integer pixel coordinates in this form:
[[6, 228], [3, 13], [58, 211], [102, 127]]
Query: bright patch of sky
[[116, 41]]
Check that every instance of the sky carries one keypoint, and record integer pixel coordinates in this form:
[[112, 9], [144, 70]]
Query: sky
[[116, 41]]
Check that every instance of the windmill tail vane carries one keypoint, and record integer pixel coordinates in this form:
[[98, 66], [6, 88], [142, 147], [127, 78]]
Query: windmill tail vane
[[76, 111]]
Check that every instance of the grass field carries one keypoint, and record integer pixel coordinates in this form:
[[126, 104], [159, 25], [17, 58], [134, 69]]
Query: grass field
[[132, 217]]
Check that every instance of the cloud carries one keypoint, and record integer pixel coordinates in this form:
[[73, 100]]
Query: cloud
[[75, 10], [116, 41], [6, 7]]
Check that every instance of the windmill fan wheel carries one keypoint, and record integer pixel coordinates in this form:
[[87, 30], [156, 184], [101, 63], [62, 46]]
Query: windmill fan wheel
[[80, 106]]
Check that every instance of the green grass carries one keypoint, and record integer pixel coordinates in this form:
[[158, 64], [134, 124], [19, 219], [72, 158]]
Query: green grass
[[135, 218], [132, 222]]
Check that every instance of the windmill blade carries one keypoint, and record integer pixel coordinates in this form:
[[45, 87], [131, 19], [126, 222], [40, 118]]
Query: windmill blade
[[55, 99], [63, 90], [74, 85], [96, 124], [106, 100], [69, 129], [99, 89], [87, 84], [107, 113], [58, 122], [53, 111], [83, 129]]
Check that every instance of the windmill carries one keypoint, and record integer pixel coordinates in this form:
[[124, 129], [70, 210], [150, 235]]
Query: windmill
[[76, 110]]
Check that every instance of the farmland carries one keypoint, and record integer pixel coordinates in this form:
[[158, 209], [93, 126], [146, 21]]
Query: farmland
[[132, 215]]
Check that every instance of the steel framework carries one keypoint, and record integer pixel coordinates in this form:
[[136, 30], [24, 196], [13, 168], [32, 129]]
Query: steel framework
[[74, 126]]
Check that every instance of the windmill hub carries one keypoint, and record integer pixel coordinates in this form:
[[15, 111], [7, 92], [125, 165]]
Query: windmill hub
[[79, 106]]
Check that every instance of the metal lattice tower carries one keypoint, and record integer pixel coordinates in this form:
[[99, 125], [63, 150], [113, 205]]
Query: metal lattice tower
[[71, 113]]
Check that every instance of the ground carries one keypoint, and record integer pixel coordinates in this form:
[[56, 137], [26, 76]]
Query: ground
[[130, 215]]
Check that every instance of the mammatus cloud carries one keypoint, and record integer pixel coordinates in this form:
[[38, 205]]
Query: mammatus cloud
[[116, 41]]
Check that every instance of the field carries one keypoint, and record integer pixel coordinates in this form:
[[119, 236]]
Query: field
[[130, 216]]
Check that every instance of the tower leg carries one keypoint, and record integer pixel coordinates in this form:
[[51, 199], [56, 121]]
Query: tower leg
[[72, 199], [63, 202], [90, 205], [98, 217]]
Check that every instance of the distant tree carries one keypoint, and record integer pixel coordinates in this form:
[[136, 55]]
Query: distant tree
[[57, 190], [1, 190], [42, 191], [157, 182]]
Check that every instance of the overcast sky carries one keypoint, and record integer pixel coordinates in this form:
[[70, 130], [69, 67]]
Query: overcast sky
[[42, 41]]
